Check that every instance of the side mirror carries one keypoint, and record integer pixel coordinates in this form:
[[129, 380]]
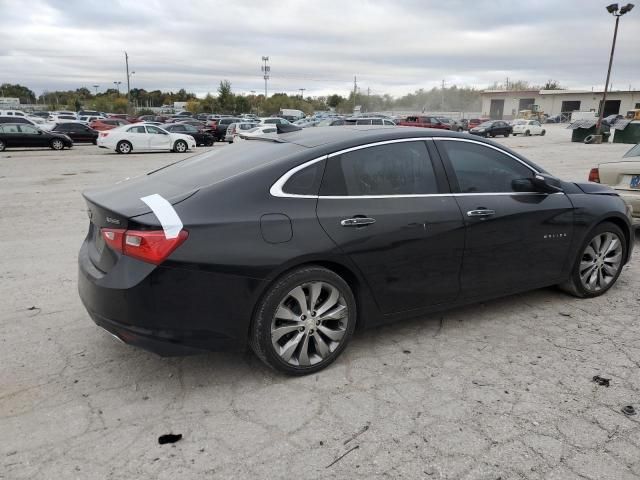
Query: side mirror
[[546, 183]]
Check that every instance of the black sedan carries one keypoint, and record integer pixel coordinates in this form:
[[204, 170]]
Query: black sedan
[[78, 132], [492, 128], [22, 135], [287, 243], [200, 136]]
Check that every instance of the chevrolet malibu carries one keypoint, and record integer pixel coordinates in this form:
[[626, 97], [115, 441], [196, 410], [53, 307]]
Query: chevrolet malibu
[[289, 242], [145, 138]]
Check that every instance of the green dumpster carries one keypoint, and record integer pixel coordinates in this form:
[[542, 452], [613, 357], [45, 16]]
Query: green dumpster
[[579, 134], [630, 133]]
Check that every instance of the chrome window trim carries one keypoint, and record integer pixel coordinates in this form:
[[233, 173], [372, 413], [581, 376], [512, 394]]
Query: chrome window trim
[[276, 188], [468, 140]]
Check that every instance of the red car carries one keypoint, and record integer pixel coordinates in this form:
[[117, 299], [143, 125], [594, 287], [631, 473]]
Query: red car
[[425, 122], [107, 123], [474, 122]]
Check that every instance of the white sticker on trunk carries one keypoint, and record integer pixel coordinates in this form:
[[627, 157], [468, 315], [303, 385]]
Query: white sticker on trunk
[[169, 219]]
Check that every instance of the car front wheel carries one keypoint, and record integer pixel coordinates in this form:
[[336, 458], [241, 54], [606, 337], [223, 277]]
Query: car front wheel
[[57, 144], [2, 146], [599, 262], [180, 146], [304, 321]]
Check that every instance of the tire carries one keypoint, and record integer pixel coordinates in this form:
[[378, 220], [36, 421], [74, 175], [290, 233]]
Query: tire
[[542, 133], [56, 144], [124, 147], [2, 146], [589, 139], [180, 146], [506, 135], [95, 142], [304, 345], [460, 129], [587, 264], [527, 133]]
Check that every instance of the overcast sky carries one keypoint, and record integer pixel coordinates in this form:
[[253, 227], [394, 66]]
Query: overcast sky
[[393, 46]]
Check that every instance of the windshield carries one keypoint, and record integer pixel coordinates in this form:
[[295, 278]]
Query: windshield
[[634, 152], [485, 124]]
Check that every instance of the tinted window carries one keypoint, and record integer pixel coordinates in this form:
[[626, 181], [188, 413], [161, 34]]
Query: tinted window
[[376, 121], [396, 169], [306, 181], [13, 120], [481, 169], [388, 122], [190, 129], [28, 129], [139, 129], [178, 128]]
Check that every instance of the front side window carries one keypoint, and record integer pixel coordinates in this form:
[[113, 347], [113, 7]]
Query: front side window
[[154, 130], [178, 128], [402, 168], [481, 169], [28, 129]]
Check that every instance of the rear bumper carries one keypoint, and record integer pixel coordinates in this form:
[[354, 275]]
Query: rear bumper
[[632, 199], [168, 310]]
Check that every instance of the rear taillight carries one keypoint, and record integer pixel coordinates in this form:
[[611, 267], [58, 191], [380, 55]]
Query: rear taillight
[[150, 246], [594, 175], [104, 134]]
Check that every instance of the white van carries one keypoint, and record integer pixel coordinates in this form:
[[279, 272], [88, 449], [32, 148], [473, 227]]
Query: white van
[[12, 113]]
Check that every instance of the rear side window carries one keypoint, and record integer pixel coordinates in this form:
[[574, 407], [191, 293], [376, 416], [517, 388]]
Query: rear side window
[[481, 169], [137, 130], [306, 181], [402, 168]]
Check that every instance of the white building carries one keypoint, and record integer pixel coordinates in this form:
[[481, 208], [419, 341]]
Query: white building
[[505, 104]]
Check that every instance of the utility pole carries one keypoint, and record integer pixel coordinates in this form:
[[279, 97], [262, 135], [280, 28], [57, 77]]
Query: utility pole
[[355, 90], [368, 97], [442, 97], [613, 10], [117, 84], [302, 92], [126, 61], [266, 69], [96, 87]]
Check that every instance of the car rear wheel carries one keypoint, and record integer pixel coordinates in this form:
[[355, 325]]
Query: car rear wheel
[[2, 146], [124, 147], [599, 262], [57, 144], [180, 146], [304, 321], [542, 133], [506, 134], [527, 133]]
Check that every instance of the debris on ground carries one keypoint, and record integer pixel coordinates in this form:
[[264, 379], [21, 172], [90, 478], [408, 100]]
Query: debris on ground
[[406, 351], [601, 381], [169, 438], [357, 434], [342, 456], [629, 410]]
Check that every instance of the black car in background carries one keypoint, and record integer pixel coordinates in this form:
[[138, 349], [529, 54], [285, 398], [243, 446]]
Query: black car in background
[[289, 242], [23, 135], [200, 136], [492, 128], [78, 132], [220, 131]]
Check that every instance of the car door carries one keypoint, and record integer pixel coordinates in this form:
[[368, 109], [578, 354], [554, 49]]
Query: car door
[[385, 207], [516, 237], [158, 138], [138, 137], [536, 128], [30, 136]]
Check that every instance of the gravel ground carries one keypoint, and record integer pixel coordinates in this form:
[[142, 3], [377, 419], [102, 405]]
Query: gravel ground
[[501, 389]]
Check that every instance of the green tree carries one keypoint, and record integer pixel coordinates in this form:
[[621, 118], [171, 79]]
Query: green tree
[[226, 101], [25, 94]]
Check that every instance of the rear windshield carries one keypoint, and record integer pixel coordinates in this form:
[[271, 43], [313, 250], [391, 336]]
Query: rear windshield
[[634, 152], [221, 164]]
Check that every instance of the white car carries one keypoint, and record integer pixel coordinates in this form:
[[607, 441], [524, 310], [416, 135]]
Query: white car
[[257, 132], [143, 137], [528, 127], [274, 121], [235, 129]]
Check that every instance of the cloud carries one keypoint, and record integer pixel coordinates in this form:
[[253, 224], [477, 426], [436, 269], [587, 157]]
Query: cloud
[[392, 47]]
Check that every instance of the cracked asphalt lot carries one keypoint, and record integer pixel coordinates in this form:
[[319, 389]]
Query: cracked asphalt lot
[[501, 389]]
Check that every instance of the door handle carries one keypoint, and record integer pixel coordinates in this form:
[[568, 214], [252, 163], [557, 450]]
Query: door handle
[[357, 221], [484, 212]]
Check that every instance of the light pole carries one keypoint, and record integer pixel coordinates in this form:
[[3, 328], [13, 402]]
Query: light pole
[[613, 10], [96, 87], [117, 84]]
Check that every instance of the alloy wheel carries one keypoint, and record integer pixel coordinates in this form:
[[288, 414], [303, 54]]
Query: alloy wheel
[[309, 323], [181, 147], [601, 261], [57, 144]]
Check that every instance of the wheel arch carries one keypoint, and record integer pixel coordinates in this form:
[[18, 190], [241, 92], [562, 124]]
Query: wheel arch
[[626, 231], [367, 310]]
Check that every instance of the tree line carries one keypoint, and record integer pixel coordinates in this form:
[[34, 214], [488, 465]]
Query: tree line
[[452, 98]]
